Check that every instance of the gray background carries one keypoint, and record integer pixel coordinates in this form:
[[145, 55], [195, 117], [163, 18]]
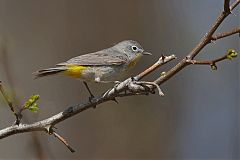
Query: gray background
[[197, 119]]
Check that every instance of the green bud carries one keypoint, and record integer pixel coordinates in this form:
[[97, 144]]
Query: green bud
[[213, 67], [231, 54], [163, 73]]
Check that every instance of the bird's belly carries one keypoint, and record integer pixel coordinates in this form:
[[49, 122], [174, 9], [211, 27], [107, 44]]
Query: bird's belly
[[105, 73]]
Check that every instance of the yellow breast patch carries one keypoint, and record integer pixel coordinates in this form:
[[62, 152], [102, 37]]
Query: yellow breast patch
[[75, 71], [134, 61]]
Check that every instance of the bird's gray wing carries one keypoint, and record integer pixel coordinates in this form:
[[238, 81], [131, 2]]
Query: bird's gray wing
[[100, 58]]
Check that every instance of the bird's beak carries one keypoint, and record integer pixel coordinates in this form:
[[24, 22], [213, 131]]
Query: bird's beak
[[146, 53]]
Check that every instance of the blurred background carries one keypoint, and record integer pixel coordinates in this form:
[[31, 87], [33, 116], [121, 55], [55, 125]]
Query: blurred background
[[197, 119]]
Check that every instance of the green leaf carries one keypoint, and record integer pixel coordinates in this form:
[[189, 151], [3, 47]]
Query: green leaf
[[31, 104], [33, 108], [231, 54]]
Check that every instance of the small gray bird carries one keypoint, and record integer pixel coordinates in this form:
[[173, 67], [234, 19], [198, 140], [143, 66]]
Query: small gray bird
[[101, 66]]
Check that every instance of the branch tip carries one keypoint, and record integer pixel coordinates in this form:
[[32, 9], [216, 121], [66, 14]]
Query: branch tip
[[231, 54], [63, 141], [225, 34]]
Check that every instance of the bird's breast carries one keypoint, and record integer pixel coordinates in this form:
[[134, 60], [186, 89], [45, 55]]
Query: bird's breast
[[134, 61]]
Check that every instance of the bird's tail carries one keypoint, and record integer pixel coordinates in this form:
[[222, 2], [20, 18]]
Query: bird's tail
[[49, 71]]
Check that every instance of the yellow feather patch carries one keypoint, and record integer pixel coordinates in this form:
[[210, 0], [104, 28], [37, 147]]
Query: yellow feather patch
[[75, 71], [134, 61]]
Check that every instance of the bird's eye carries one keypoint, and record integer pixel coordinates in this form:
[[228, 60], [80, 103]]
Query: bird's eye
[[134, 48]]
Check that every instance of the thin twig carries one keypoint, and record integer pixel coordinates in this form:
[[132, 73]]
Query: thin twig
[[63, 141], [208, 62], [7, 100], [163, 60], [234, 5], [225, 34], [226, 6], [212, 63], [231, 53]]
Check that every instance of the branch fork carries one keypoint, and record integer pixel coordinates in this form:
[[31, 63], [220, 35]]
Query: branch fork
[[229, 55], [50, 131]]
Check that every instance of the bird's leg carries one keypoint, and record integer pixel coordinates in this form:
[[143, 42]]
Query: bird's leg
[[89, 91]]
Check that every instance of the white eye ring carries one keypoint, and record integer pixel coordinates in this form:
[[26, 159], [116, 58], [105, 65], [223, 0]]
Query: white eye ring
[[134, 48]]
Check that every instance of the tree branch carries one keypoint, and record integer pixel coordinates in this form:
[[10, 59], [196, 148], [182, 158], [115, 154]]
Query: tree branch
[[158, 64], [226, 34], [63, 141], [227, 6], [205, 40], [230, 55]]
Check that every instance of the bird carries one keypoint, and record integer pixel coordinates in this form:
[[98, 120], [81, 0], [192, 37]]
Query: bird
[[103, 66]]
